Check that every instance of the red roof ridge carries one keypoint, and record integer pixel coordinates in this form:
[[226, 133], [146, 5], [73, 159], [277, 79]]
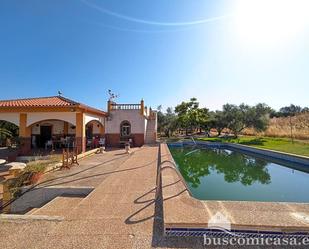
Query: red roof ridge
[[55, 101], [46, 97], [68, 100]]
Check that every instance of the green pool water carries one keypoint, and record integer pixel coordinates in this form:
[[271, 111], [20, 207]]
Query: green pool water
[[224, 174]]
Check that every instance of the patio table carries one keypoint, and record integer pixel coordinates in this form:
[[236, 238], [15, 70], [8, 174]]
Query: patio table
[[2, 166]]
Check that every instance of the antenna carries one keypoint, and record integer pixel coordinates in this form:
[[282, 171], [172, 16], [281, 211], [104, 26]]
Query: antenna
[[112, 96]]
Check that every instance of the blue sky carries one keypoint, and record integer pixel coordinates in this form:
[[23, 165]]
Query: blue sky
[[164, 51]]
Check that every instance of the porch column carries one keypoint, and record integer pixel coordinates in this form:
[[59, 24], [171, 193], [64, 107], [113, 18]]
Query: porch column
[[66, 128], [102, 130], [24, 135], [80, 132]]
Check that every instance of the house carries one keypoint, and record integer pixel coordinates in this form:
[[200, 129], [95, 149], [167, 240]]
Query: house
[[55, 122], [130, 122]]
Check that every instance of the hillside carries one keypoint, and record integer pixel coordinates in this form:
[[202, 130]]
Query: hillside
[[281, 127]]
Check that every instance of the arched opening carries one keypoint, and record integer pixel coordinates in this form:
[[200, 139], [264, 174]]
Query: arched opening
[[52, 134], [95, 134], [8, 134], [9, 140], [125, 129]]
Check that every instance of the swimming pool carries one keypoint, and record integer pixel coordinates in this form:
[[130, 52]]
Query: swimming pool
[[225, 173]]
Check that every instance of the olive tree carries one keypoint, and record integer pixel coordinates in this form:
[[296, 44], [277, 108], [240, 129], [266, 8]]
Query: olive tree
[[190, 116], [238, 118]]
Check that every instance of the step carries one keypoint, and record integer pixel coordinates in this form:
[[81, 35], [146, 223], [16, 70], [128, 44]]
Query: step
[[32, 211], [60, 206]]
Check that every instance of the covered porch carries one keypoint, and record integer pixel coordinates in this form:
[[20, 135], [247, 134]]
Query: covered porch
[[54, 123], [58, 134]]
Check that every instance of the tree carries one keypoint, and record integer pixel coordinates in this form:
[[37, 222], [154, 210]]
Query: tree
[[288, 111], [218, 121], [171, 122], [202, 118], [7, 130], [305, 110], [167, 122], [190, 116], [5, 133], [238, 118], [182, 110], [161, 119]]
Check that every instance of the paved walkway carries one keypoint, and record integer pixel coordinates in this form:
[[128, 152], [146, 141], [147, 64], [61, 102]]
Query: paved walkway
[[119, 213], [91, 171]]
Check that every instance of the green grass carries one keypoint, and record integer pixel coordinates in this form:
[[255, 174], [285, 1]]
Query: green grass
[[278, 144]]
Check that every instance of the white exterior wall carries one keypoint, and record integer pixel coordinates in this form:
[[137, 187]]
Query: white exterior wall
[[35, 130], [33, 117], [58, 127], [145, 128], [91, 117], [138, 122]]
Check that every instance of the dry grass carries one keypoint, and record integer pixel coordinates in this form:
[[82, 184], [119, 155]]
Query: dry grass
[[280, 127]]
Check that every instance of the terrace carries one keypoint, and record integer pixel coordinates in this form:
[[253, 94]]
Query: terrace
[[116, 200]]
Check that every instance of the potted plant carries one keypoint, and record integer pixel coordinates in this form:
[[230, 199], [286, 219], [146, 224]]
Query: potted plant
[[36, 172]]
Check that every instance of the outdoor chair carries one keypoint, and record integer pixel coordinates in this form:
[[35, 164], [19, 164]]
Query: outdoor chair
[[49, 144], [102, 141]]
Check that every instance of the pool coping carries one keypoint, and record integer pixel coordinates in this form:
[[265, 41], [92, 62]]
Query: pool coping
[[182, 211]]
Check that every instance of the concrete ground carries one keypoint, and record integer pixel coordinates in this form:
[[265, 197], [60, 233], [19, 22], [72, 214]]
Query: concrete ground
[[121, 212]]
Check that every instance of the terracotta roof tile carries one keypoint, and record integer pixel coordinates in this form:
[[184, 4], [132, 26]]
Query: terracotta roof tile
[[55, 101]]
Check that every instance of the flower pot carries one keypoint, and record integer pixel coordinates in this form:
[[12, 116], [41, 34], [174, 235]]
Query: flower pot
[[36, 177], [127, 147]]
